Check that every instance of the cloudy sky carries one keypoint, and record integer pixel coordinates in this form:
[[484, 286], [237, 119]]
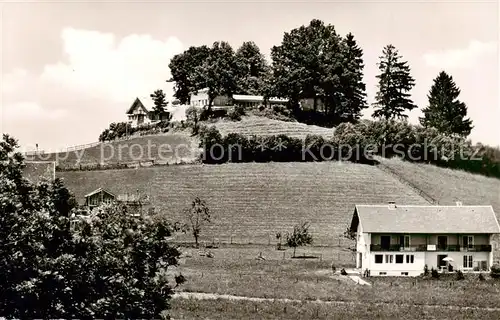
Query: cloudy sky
[[69, 69]]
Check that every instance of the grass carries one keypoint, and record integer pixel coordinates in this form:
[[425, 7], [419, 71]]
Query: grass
[[251, 202], [175, 147], [36, 171], [261, 126], [239, 273], [226, 309]]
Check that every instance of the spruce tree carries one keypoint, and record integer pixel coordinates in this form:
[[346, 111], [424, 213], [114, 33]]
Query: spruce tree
[[394, 85], [353, 87], [445, 112]]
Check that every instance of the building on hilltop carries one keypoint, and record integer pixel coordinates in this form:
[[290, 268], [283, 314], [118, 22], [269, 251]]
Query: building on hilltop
[[394, 240], [200, 99], [138, 114]]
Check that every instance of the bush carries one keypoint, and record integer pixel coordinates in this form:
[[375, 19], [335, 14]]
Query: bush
[[236, 113], [495, 271], [481, 277], [460, 275], [434, 273]]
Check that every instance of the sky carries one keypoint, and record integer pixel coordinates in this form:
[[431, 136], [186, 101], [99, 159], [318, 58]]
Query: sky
[[71, 68]]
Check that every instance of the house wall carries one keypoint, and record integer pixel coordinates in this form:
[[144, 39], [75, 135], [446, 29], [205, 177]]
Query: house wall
[[201, 99], [420, 258], [395, 269], [457, 263]]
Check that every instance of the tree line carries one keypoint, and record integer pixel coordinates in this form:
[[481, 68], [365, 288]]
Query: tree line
[[315, 62]]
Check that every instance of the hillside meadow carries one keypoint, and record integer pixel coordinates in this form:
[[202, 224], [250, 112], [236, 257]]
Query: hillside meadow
[[166, 148], [261, 126], [250, 202]]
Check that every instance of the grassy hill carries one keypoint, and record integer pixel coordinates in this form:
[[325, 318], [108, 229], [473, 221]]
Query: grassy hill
[[261, 126], [177, 147], [252, 201], [174, 148], [447, 186]]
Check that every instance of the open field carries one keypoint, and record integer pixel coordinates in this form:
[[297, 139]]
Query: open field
[[36, 171], [237, 272], [252, 201], [230, 309], [166, 148], [261, 126]]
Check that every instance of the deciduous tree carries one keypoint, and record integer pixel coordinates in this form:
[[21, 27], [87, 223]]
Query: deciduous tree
[[112, 266], [299, 237], [251, 69], [182, 67], [197, 215]]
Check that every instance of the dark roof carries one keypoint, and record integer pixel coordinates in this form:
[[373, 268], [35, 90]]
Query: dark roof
[[137, 104], [99, 190], [425, 219]]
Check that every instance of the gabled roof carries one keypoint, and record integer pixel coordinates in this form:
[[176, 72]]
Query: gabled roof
[[138, 103], [99, 190], [425, 219]]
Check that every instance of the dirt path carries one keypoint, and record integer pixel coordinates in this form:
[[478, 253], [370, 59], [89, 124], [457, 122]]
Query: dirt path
[[214, 296]]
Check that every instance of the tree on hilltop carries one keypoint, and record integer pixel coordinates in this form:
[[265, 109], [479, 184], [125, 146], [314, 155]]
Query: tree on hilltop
[[183, 69], [394, 85], [218, 72], [251, 69], [445, 112], [160, 102], [353, 87]]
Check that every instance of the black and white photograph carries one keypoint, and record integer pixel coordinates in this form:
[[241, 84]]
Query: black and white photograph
[[216, 159]]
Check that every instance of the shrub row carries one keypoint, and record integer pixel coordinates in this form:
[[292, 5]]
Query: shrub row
[[355, 142], [236, 147], [122, 129]]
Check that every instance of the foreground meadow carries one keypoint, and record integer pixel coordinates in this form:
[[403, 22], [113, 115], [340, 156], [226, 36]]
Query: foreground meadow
[[227, 309], [237, 271]]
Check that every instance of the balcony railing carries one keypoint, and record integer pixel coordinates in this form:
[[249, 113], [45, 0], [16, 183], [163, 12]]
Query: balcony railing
[[455, 247]]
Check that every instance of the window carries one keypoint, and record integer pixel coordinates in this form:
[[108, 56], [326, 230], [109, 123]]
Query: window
[[378, 258], [382, 273], [404, 273], [399, 258], [404, 241], [468, 262], [410, 258], [389, 258], [468, 241]]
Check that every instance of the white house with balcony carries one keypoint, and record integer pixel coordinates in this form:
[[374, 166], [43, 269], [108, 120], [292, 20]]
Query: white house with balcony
[[399, 240]]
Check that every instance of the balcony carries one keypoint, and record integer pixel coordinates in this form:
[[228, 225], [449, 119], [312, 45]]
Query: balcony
[[478, 247], [397, 247]]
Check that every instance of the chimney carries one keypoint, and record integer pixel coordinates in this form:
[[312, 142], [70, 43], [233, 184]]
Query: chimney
[[459, 203], [392, 205]]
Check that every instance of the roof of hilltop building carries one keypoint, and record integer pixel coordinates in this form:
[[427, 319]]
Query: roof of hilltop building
[[394, 218]]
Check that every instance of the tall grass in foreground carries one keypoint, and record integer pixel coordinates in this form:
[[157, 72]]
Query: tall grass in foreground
[[225, 309]]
